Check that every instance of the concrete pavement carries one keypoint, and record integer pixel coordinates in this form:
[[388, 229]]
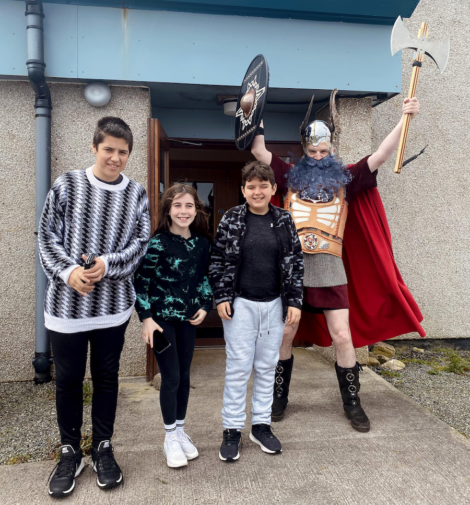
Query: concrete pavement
[[409, 456]]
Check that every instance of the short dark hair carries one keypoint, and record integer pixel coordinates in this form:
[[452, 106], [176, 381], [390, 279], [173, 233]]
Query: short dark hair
[[114, 127], [257, 170]]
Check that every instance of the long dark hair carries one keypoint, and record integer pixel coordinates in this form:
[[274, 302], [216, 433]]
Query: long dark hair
[[200, 225]]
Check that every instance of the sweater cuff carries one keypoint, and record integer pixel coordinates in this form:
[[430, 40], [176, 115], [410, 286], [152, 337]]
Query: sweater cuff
[[207, 307], [105, 261], [145, 314], [65, 274]]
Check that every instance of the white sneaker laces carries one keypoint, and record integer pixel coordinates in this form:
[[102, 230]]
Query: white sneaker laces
[[184, 437], [173, 441]]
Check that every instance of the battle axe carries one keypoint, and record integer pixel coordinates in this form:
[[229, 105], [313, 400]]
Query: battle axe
[[437, 51]]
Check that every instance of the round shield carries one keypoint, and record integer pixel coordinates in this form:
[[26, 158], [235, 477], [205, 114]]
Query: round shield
[[251, 102]]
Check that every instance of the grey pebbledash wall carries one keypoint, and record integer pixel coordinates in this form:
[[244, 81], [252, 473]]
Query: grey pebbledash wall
[[73, 123], [428, 204]]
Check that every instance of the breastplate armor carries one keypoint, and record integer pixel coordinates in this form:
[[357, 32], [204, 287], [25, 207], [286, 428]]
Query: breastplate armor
[[320, 225]]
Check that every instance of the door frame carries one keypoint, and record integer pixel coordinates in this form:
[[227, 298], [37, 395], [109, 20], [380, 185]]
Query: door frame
[[158, 150]]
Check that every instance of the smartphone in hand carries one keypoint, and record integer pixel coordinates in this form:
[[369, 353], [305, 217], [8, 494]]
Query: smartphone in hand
[[90, 260], [160, 343]]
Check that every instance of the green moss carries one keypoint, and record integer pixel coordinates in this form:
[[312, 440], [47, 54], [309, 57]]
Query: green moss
[[457, 364], [51, 394], [87, 393], [414, 360], [388, 373], [17, 460], [86, 444]]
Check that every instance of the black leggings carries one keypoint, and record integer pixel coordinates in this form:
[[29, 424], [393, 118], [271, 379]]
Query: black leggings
[[70, 356], [174, 364]]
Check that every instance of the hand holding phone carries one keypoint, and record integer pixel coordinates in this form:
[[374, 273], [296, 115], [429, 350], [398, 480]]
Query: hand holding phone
[[148, 329], [89, 260], [94, 268], [160, 343]]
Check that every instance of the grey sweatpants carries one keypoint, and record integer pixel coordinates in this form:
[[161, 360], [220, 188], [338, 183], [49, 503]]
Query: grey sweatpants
[[252, 340]]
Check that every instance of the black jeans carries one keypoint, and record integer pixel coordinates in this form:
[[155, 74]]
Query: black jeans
[[70, 356], [175, 364]]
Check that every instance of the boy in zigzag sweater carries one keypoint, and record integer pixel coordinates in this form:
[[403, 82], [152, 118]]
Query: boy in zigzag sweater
[[94, 211]]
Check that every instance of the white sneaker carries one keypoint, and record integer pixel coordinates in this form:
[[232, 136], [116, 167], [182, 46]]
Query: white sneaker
[[187, 445], [173, 452]]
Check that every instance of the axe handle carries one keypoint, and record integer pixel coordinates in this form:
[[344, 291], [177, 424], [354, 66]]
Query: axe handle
[[411, 94]]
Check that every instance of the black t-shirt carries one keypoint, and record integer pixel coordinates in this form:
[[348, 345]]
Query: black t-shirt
[[259, 276]]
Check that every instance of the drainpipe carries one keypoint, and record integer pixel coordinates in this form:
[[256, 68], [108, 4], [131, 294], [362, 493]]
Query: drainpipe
[[43, 105]]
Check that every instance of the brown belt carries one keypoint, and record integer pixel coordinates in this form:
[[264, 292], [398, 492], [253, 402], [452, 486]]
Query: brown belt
[[314, 242]]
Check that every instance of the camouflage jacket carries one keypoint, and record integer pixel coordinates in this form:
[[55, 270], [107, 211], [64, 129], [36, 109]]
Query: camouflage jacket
[[226, 256]]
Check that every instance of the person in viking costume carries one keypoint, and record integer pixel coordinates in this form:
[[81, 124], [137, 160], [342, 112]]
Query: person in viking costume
[[348, 255]]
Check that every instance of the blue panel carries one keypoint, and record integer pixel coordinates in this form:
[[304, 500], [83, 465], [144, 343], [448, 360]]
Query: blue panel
[[209, 124], [172, 47], [12, 38], [358, 11], [60, 40], [102, 44], [216, 50]]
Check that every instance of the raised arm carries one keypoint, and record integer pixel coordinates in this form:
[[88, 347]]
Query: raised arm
[[388, 146], [258, 149]]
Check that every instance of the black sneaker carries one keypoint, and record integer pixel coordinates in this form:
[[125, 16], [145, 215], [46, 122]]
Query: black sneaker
[[262, 435], [229, 450], [104, 464], [70, 466]]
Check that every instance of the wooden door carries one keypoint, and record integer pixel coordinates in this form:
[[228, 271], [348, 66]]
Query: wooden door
[[158, 169]]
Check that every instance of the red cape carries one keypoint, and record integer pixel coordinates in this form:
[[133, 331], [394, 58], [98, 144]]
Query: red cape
[[381, 306]]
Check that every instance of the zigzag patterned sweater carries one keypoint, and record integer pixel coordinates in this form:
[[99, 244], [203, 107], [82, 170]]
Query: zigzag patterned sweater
[[84, 215]]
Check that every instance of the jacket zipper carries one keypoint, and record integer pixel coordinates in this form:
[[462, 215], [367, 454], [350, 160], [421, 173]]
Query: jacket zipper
[[283, 294]]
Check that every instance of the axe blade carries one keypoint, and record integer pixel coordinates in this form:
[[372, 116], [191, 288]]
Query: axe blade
[[402, 39], [439, 53]]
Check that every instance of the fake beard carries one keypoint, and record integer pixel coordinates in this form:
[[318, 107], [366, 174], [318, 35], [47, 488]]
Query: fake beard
[[318, 179]]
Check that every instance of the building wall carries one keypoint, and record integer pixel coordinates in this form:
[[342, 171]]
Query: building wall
[[73, 123], [428, 203]]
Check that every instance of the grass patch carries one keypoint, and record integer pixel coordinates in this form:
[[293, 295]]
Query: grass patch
[[86, 444], [457, 364], [87, 393], [17, 460], [389, 373], [50, 394], [443, 360], [414, 360]]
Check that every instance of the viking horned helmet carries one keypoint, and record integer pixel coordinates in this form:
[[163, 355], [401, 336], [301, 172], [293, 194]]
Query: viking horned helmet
[[319, 131]]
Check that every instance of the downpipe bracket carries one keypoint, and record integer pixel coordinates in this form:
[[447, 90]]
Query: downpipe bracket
[[42, 366]]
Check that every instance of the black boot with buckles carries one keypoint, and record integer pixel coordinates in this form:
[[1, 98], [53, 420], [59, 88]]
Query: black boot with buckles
[[349, 386], [281, 388]]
